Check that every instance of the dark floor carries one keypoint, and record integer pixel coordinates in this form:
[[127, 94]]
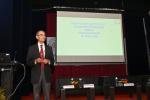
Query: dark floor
[[121, 96]]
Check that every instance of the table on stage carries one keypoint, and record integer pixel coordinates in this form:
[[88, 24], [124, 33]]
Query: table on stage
[[73, 86], [90, 92], [107, 85]]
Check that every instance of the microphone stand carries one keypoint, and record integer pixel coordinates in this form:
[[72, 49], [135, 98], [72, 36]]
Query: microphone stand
[[147, 44]]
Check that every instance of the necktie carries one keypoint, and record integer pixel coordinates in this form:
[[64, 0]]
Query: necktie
[[42, 56]]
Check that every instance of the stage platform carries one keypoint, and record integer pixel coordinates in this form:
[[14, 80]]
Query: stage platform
[[118, 96]]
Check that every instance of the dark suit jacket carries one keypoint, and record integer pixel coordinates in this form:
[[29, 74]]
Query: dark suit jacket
[[33, 53]]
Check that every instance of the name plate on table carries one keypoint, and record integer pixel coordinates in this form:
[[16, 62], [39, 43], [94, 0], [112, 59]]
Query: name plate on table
[[88, 85], [68, 86], [128, 84]]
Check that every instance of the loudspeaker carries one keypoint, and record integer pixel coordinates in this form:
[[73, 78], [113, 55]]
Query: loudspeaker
[[7, 80]]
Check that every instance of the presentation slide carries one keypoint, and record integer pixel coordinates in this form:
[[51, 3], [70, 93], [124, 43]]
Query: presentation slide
[[89, 37]]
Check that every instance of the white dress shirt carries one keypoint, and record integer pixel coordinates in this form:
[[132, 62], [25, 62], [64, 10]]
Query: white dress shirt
[[39, 46]]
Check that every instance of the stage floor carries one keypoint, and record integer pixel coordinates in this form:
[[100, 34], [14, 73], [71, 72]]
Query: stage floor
[[121, 96]]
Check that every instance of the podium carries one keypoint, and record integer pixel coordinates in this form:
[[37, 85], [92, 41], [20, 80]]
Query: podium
[[6, 77]]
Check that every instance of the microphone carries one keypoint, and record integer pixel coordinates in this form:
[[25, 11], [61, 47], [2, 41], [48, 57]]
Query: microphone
[[15, 55], [14, 59]]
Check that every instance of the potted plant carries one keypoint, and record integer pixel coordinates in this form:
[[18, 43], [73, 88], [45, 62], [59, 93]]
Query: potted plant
[[2, 94]]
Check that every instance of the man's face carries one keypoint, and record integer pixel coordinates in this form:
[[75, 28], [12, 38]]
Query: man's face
[[41, 36]]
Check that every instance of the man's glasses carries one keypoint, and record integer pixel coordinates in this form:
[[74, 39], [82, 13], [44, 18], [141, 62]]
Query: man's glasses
[[40, 35]]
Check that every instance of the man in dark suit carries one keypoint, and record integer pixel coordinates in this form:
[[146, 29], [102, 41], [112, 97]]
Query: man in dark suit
[[40, 59]]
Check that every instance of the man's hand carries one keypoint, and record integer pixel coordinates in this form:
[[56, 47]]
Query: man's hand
[[46, 61], [40, 60]]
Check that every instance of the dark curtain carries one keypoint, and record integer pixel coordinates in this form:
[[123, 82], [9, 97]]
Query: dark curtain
[[6, 21], [22, 37], [136, 44]]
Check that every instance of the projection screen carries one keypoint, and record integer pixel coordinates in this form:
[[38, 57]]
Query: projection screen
[[89, 37]]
